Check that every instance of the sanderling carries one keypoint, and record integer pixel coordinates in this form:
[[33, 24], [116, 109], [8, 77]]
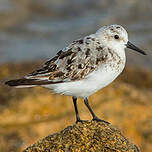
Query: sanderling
[[83, 67]]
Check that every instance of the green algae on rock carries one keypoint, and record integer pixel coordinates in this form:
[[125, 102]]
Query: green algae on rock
[[89, 136]]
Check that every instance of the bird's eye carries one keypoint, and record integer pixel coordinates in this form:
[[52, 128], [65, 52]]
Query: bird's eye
[[116, 37]]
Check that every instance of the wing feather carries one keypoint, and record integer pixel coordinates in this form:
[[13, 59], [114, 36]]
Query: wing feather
[[72, 63]]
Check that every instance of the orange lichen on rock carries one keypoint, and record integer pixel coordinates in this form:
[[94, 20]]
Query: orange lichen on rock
[[87, 136]]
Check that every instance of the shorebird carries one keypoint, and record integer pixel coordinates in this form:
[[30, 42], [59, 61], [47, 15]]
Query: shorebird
[[83, 67]]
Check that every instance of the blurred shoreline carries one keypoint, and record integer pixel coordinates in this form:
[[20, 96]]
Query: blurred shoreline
[[32, 113]]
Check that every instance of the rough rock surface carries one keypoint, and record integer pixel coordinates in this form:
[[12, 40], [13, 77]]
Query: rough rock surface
[[89, 136]]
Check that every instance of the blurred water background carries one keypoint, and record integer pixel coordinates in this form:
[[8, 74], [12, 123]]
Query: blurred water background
[[36, 29]]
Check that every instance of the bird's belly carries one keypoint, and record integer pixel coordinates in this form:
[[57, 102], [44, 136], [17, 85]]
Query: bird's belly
[[89, 85]]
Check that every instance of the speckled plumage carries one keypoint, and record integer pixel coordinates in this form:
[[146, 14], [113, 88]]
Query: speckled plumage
[[74, 62], [83, 67]]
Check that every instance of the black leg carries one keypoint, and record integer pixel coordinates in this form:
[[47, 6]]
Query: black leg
[[76, 109], [91, 111]]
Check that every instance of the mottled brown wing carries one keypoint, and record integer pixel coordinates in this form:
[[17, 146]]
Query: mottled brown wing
[[72, 63]]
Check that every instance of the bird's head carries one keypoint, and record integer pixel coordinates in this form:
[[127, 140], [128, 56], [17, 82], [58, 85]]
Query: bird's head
[[116, 37]]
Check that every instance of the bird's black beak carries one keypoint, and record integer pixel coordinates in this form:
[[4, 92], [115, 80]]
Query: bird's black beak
[[133, 47]]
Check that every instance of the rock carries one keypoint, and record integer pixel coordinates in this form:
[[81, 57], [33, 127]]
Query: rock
[[88, 136]]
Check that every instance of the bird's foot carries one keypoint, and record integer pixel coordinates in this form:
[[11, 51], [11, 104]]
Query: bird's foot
[[100, 120], [81, 121]]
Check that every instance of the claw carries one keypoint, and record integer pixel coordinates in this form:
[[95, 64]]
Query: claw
[[100, 120], [81, 121]]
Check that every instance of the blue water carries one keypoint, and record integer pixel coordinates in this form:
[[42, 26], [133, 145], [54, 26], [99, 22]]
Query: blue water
[[40, 37]]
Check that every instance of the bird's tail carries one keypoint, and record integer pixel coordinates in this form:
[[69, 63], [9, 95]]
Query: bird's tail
[[22, 83]]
